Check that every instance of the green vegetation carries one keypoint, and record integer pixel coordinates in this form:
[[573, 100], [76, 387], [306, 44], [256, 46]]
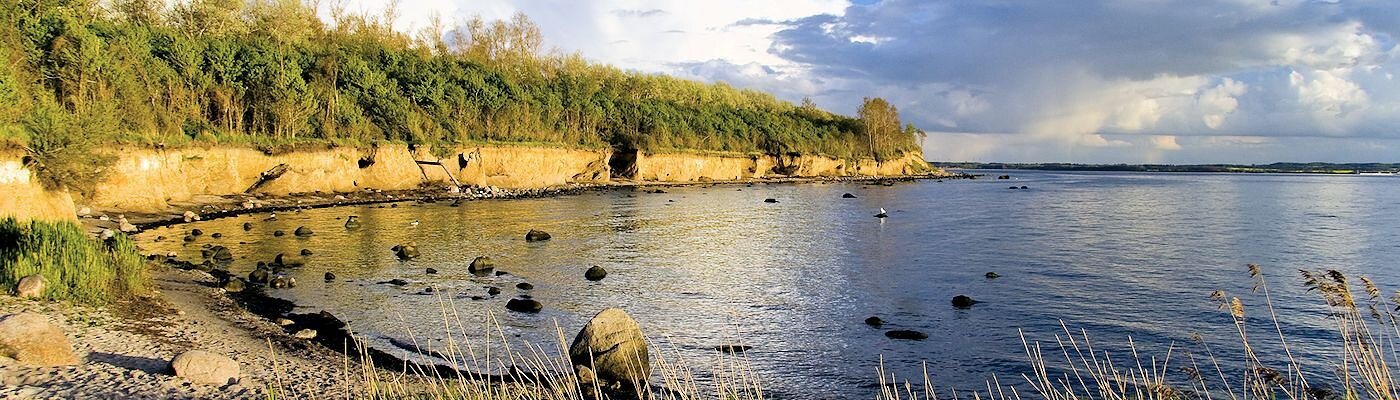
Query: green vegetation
[[270, 73], [77, 267]]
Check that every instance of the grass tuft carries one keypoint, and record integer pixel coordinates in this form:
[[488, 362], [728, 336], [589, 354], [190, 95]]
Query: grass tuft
[[77, 267]]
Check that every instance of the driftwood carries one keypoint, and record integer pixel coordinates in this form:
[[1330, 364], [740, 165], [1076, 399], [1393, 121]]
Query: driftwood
[[267, 176]]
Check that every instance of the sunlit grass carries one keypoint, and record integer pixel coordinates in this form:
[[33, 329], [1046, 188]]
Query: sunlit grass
[[77, 266]]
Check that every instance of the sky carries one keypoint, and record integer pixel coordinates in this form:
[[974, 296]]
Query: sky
[[1128, 81]]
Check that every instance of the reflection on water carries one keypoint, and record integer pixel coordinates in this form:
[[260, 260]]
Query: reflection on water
[[1115, 254]]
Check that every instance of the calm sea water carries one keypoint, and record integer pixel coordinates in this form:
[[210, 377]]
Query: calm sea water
[[1118, 255]]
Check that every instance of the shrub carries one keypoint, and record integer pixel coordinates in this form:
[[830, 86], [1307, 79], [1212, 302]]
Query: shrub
[[77, 267]]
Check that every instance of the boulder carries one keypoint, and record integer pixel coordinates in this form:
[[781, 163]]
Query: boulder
[[220, 254], [302, 231], [611, 351], [30, 339], [595, 273], [493, 290], [874, 321], [906, 335], [431, 271], [524, 286], [190, 216], [407, 251], [234, 285], [992, 275], [205, 367], [329, 276], [259, 275], [289, 261], [306, 334], [247, 226], [305, 252], [524, 305], [352, 222], [961, 301], [31, 287], [278, 233], [848, 196], [196, 232], [536, 236], [481, 265]]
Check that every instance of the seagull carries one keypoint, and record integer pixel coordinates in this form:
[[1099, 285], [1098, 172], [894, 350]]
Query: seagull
[[273, 217], [414, 223], [882, 213]]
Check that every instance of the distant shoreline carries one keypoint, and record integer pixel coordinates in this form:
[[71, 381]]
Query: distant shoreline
[[1274, 168]]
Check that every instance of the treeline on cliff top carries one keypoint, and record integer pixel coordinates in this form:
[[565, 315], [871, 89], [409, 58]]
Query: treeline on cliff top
[[270, 72]]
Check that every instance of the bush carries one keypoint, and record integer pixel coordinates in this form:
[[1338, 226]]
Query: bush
[[77, 267]]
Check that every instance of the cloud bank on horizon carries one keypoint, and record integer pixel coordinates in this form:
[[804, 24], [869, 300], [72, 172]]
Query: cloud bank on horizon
[[1080, 81]]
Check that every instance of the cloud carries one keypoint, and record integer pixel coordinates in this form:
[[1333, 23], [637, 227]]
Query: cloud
[[639, 13], [1165, 142]]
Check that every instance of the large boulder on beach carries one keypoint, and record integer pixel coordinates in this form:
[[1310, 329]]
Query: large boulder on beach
[[31, 287], [611, 350], [205, 367], [30, 339], [535, 235]]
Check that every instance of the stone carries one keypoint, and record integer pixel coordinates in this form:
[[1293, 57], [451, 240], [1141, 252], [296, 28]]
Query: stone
[[302, 231], [733, 348], [205, 367], [770, 200], [406, 251], [220, 254], [31, 287], [259, 275], [524, 286], [31, 339], [330, 276], [278, 233], [216, 235], [524, 305], [848, 196], [992, 275], [289, 261], [874, 321], [961, 301], [1025, 187], [125, 226], [396, 282], [481, 265], [305, 252], [352, 222], [190, 216], [536, 236], [247, 226], [431, 271], [187, 238], [196, 232], [306, 334], [595, 273], [613, 352], [903, 334], [279, 281], [493, 290], [284, 322], [234, 285]]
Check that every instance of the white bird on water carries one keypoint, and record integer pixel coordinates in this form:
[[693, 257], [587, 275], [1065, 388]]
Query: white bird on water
[[414, 223], [882, 213]]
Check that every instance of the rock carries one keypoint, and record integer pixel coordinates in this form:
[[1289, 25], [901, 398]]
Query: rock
[[848, 196], [305, 252], [906, 334], [396, 282], [536, 236], [279, 281], [216, 235], [259, 275], [196, 232], [611, 350], [961, 301], [190, 216], [733, 348], [187, 238], [431, 271], [278, 233], [234, 285], [329, 276], [125, 227], [524, 286], [1025, 187], [289, 261], [247, 226], [204, 367], [595, 273], [284, 322], [352, 222], [31, 287], [405, 251], [770, 200], [992, 275], [481, 265], [220, 254], [1004, 177], [524, 305], [306, 334], [248, 205], [30, 339], [302, 231], [493, 290], [85, 212], [500, 273], [874, 321]]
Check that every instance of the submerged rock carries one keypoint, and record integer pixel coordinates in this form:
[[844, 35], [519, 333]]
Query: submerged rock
[[733, 348], [874, 321], [611, 353], [352, 222], [395, 282], [302, 231], [961, 301], [903, 334], [524, 305], [536, 236], [289, 261], [260, 275], [595, 273], [992, 275], [848, 196], [305, 252]]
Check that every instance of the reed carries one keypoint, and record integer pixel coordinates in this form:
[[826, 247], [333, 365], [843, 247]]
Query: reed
[[77, 267]]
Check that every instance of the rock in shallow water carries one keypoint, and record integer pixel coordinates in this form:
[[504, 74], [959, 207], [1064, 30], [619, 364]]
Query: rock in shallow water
[[611, 351], [874, 321], [535, 235], [481, 265], [961, 301], [524, 305], [906, 335], [595, 273]]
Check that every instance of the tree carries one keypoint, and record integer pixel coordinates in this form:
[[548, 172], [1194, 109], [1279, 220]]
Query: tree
[[880, 123]]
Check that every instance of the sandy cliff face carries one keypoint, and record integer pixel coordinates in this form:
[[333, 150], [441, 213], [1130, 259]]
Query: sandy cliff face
[[22, 197], [692, 167]]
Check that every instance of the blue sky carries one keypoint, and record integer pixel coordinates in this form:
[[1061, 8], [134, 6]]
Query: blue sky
[[1000, 80]]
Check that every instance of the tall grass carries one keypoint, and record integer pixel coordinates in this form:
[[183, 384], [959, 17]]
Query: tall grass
[[1365, 330], [77, 267]]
